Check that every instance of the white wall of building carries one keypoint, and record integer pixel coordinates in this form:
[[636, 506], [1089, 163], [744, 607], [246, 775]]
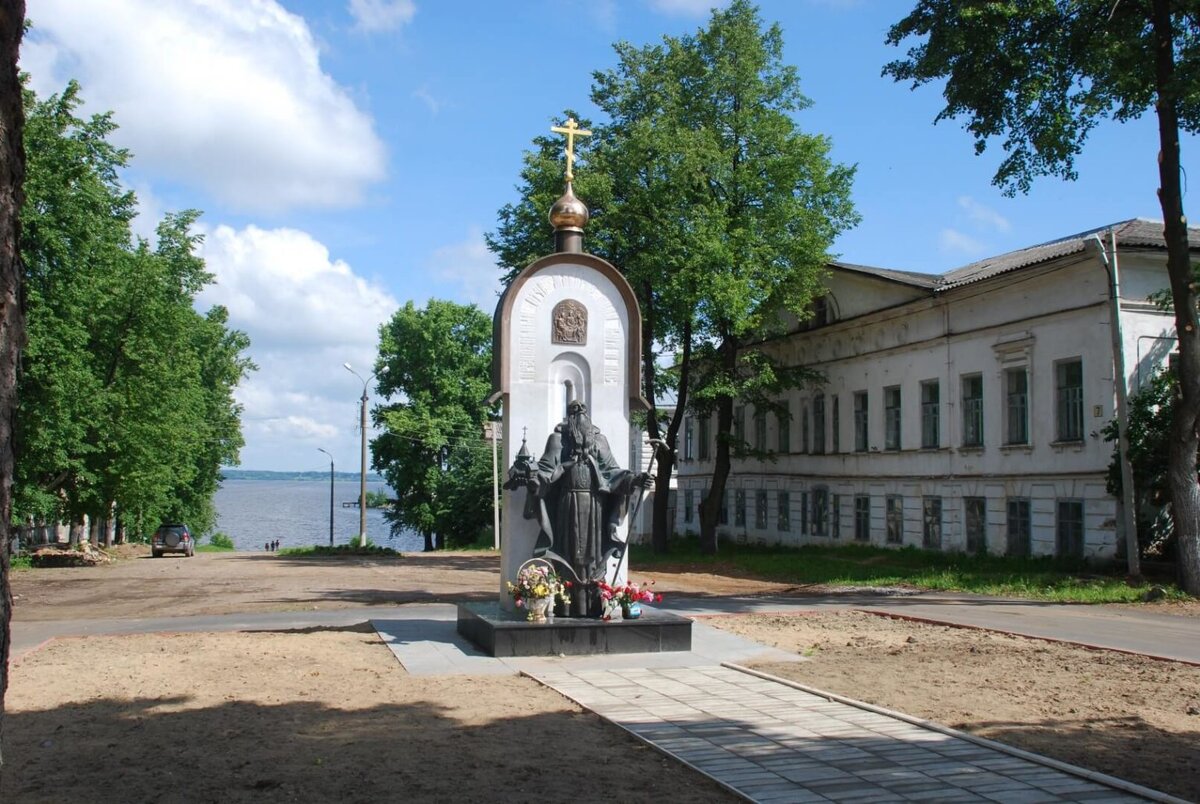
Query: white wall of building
[[1038, 320]]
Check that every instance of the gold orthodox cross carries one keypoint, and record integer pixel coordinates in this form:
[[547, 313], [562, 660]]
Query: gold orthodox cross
[[572, 130]]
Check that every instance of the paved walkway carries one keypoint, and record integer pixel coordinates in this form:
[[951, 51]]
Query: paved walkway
[[764, 738]]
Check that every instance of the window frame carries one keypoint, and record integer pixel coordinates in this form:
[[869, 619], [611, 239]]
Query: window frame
[[818, 412], [862, 518], [972, 410], [893, 418], [1068, 401], [893, 519], [931, 415], [1016, 407], [931, 522], [862, 421]]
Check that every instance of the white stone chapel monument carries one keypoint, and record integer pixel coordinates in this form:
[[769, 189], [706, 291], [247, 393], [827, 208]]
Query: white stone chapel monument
[[567, 329]]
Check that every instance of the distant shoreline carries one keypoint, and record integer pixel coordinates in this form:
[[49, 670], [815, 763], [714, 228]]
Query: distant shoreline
[[260, 474]]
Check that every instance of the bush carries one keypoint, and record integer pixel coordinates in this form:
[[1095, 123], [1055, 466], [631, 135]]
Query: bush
[[221, 540]]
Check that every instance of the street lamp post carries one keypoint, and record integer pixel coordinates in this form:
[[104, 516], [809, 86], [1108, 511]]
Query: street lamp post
[[330, 494], [362, 477]]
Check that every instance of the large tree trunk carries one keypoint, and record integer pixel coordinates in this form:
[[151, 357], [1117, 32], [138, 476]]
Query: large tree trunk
[[12, 320], [428, 541], [710, 508], [1181, 458]]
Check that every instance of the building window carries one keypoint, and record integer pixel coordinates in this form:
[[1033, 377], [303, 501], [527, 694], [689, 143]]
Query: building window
[[930, 415], [972, 398], [739, 508], [931, 514], [860, 421], [894, 519], [835, 426], [689, 438], [783, 506], [1068, 380], [804, 427], [703, 436], [819, 424], [1069, 530], [723, 514], [784, 418], [891, 417], [804, 512], [862, 518], [760, 430], [739, 426], [835, 516], [689, 504], [975, 509], [760, 510], [1019, 527], [820, 512], [1016, 406]]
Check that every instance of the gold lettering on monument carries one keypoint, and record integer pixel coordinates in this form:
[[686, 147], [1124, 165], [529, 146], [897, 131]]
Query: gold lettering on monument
[[569, 323]]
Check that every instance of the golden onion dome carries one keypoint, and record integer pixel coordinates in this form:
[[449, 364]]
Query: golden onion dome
[[568, 213]]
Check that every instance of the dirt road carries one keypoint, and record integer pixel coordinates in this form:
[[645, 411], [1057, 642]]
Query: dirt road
[[327, 714]]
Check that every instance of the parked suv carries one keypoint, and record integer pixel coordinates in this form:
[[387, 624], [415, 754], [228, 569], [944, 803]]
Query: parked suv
[[172, 538]]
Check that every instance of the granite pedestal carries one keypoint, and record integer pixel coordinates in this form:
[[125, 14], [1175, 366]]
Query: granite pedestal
[[502, 634]]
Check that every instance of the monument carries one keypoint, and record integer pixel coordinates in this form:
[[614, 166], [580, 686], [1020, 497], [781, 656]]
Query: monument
[[567, 369]]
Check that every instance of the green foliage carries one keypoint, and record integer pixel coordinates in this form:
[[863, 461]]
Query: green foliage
[[433, 454], [378, 499], [126, 394], [865, 566], [1151, 413], [703, 190], [221, 540], [21, 562], [1042, 73]]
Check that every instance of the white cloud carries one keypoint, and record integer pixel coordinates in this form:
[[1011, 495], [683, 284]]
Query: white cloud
[[952, 241], [306, 315], [691, 8], [983, 216], [423, 94], [225, 95], [382, 15], [472, 267]]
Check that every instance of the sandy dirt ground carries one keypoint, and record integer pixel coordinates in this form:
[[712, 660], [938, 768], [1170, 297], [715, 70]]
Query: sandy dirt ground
[[1127, 716], [329, 715]]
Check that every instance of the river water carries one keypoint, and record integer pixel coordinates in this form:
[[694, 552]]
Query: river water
[[296, 512]]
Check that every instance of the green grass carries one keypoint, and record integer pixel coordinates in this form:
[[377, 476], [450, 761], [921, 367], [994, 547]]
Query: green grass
[[22, 562], [340, 551], [213, 548], [863, 566]]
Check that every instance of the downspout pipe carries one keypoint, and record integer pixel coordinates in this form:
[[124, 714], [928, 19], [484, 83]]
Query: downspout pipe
[[1108, 258]]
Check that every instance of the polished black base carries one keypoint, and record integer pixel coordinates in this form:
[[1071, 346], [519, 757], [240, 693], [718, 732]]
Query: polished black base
[[500, 634]]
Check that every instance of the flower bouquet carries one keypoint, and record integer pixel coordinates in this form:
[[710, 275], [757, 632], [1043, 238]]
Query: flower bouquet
[[536, 589], [629, 596]]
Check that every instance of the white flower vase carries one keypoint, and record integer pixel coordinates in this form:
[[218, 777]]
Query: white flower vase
[[538, 609]]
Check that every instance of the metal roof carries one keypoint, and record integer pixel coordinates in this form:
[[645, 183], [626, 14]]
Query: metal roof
[[1134, 232]]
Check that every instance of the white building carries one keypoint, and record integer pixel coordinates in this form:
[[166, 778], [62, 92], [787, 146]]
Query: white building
[[960, 412]]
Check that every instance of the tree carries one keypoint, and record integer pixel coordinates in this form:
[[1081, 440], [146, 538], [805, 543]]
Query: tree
[[126, 390], [12, 325], [432, 454], [1151, 416], [720, 211], [1041, 74]]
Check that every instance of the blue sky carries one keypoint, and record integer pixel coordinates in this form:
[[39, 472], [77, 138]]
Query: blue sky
[[349, 155]]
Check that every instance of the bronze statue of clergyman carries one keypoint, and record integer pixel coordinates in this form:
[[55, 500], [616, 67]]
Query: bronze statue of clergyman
[[578, 494]]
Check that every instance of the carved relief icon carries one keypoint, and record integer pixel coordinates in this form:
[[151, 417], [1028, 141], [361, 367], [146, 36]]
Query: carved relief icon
[[569, 323]]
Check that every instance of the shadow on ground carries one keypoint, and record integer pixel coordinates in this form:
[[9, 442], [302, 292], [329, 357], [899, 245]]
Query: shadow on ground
[[159, 749]]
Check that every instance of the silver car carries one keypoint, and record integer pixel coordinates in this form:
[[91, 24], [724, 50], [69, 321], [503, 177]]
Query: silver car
[[172, 538]]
